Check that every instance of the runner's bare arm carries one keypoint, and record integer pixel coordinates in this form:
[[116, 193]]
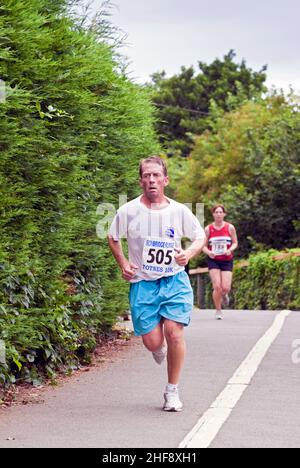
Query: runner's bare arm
[[205, 248], [128, 269], [182, 257], [234, 239]]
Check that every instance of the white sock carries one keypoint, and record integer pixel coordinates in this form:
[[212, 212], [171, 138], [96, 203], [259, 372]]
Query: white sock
[[171, 388]]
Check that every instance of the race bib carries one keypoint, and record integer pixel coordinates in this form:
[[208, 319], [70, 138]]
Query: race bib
[[158, 256], [219, 248]]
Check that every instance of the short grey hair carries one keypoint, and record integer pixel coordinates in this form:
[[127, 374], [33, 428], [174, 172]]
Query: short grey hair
[[154, 159]]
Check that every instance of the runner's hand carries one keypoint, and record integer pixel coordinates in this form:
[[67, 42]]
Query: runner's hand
[[129, 271], [211, 255], [182, 257]]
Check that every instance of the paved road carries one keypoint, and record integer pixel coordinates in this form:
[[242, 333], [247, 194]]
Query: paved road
[[120, 406]]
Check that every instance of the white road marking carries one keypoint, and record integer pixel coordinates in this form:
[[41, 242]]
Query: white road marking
[[208, 426]]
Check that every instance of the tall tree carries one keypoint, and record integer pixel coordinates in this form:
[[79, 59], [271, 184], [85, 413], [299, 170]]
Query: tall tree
[[184, 100], [250, 162]]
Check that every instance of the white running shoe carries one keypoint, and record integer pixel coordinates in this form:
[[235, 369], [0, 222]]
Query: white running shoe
[[172, 402], [219, 315], [225, 300], [160, 355]]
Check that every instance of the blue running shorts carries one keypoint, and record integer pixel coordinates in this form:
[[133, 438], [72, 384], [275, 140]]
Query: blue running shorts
[[170, 297]]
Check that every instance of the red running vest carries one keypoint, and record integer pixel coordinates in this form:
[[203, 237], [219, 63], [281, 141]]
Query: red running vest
[[219, 241]]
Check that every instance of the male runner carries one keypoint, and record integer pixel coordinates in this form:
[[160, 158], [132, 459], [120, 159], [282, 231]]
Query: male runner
[[161, 297]]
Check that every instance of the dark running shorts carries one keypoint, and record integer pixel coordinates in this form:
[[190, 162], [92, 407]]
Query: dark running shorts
[[223, 265]]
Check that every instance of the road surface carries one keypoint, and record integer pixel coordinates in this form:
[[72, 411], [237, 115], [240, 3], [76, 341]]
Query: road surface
[[119, 406]]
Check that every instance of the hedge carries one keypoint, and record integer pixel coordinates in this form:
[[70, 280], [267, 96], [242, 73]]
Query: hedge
[[72, 130], [265, 284], [268, 284]]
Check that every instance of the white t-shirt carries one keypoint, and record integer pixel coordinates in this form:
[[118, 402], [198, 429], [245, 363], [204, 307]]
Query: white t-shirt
[[152, 236]]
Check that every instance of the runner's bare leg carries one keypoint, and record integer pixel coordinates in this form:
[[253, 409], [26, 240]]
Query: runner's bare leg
[[216, 279], [174, 333], [154, 340]]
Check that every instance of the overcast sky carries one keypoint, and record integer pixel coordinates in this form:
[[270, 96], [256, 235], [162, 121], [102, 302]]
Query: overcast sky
[[165, 34]]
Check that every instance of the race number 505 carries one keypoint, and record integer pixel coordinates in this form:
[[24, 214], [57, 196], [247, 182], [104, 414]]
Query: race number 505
[[159, 257]]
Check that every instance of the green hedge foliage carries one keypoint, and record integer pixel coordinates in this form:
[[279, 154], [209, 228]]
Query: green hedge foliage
[[266, 284], [72, 130]]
